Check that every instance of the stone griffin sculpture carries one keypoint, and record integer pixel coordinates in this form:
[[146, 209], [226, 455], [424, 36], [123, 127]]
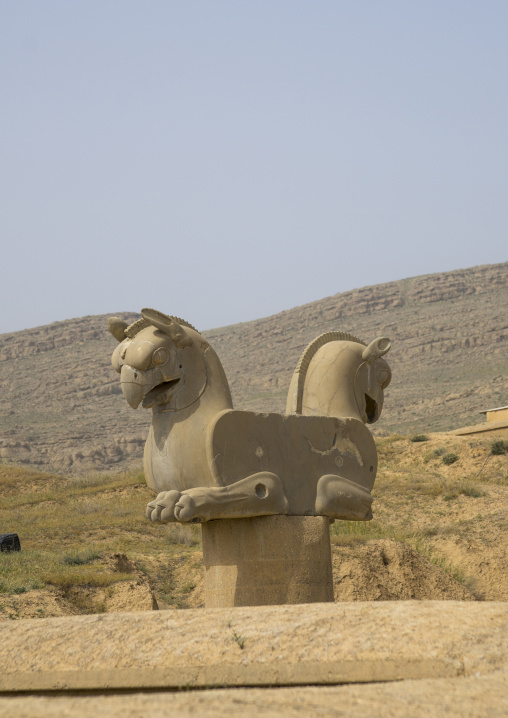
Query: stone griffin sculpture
[[209, 461]]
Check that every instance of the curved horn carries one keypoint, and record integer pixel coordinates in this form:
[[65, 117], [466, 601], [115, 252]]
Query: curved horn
[[117, 328], [376, 349], [166, 324]]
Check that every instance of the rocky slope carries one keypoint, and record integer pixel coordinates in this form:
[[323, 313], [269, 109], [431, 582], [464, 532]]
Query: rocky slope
[[62, 409]]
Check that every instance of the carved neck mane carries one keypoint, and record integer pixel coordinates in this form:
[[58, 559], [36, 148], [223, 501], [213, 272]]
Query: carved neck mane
[[298, 387]]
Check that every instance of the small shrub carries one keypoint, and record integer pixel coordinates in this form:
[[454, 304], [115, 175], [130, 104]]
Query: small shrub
[[472, 491], [450, 458], [76, 559], [33, 584], [455, 489], [440, 451], [499, 447], [419, 437], [23, 588], [240, 640]]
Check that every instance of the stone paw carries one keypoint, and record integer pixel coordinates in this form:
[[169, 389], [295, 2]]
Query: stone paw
[[162, 509], [186, 509], [340, 498]]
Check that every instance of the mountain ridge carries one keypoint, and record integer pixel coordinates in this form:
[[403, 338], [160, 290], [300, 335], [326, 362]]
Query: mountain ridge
[[62, 407]]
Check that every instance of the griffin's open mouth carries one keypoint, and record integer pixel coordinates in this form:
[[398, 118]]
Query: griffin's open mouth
[[370, 409], [157, 394]]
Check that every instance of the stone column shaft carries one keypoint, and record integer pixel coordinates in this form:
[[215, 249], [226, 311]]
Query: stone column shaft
[[267, 560]]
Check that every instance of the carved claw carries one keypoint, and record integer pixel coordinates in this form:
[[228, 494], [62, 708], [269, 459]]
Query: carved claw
[[340, 498], [152, 506], [162, 509], [186, 510]]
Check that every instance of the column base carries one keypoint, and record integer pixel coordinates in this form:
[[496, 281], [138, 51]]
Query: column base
[[267, 560]]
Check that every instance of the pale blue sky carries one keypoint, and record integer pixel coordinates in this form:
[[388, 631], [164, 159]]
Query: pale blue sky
[[224, 160]]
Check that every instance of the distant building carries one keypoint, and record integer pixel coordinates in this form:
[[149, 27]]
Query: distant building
[[496, 424], [499, 414]]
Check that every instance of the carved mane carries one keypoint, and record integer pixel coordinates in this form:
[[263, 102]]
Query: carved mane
[[142, 323], [308, 354]]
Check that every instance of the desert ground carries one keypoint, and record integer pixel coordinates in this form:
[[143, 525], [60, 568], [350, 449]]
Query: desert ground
[[439, 532], [421, 594]]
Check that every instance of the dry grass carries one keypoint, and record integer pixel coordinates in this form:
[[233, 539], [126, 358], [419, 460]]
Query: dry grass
[[423, 501], [66, 525], [345, 533]]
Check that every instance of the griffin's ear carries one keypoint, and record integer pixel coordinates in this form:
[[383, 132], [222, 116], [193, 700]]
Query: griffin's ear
[[117, 328], [376, 349], [166, 324]]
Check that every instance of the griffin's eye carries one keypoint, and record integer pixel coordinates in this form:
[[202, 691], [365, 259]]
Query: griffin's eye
[[383, 378], [159, 356]]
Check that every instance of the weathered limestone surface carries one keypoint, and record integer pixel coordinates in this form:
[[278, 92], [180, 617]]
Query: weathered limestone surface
[[481, 697], [267, 560], [474, 634], [209, 462], [458, 650]]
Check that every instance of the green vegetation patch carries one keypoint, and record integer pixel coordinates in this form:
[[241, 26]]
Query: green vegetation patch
[[457, 489], [80, 559], [67, 525], [450, 458], [499, 447], [345, 533]]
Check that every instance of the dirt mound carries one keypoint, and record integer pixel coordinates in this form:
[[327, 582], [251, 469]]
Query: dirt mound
[[486, 563], [40, 603], [380, 570], [386, 570], [457, 512], [125, 595]]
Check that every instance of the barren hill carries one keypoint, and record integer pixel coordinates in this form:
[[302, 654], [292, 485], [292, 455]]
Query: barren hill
[[61, 406]]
